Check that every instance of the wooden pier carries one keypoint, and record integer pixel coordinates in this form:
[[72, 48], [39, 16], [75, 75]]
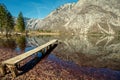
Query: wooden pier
[[13, 63]]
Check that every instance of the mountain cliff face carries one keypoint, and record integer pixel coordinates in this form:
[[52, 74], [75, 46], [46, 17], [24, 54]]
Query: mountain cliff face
[[32, 23], [85, 16]]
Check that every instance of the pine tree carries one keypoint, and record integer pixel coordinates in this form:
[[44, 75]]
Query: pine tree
[[6, 20], [10, 21], [3, 15], [20, 25]]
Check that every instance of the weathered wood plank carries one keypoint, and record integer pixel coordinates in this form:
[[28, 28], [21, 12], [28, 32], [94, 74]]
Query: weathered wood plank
[[17, 59]]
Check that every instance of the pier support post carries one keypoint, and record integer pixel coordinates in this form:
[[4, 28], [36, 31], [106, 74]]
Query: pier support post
[[36, 56], [51, 45], [43, 51], [17, 65], [3, 69], [48, 47], [13, 70]]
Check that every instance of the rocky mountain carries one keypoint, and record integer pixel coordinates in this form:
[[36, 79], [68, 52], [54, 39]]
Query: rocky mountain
[[32, 23], [85, 16]]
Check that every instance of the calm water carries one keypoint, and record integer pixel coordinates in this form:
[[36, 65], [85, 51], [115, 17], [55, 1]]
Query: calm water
[[86, 54]]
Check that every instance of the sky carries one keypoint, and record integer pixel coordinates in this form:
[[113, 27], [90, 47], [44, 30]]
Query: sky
[[34, 8]]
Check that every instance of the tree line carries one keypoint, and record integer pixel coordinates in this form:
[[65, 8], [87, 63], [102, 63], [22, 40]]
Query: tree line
[[8, 23]]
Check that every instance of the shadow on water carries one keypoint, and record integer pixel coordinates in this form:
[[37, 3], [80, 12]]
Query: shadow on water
[[28, 66]]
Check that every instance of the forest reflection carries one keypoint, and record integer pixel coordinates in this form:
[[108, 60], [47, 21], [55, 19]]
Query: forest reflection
[[13, 42]]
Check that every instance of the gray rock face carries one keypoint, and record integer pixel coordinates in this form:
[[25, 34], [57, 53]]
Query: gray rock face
[[85, 16], [32, 23], [96, 16]]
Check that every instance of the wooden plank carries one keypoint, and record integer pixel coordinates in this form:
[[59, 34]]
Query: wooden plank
[[14, 60]]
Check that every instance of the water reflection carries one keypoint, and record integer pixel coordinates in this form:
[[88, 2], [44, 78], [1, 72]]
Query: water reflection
[[83, 55], [21, 42], [7, 43], [13, 43], [100, 51], [83, 50]]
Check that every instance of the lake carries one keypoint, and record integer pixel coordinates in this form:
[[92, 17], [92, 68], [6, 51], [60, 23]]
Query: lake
[[78, 57]]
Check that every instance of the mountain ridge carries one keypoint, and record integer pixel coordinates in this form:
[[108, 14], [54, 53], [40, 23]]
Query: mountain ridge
[[84, 17]]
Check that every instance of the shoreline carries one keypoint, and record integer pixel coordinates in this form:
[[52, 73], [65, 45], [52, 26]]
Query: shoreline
[[33, 34], [43, 33]]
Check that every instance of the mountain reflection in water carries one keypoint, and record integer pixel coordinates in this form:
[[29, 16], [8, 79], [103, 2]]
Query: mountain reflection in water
[[92, 51], [78, 53]]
